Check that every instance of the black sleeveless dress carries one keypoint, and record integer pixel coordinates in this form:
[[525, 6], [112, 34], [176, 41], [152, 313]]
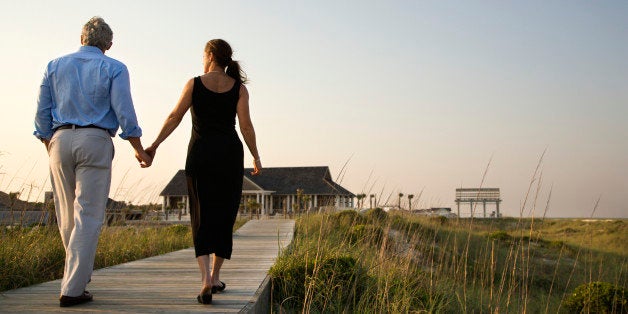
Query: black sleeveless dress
[[214, 169]]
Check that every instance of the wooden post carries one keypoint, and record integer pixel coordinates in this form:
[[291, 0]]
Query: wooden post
[[471, 206], [187, 205], [458, 205]]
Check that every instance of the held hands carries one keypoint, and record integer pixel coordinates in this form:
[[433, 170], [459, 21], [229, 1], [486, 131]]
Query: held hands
[[144, 158], [151, 150]]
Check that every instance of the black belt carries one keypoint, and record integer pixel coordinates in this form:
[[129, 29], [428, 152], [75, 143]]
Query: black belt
[[74, 126]]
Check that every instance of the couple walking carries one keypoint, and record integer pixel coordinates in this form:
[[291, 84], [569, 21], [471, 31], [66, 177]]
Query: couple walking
[[85, 97]]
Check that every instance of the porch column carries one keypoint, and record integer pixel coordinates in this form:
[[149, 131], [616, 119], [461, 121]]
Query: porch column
[[337, 200], [263, 204], [471, 206], [315, 201], [289, 202], [163, 204], [187, 205]]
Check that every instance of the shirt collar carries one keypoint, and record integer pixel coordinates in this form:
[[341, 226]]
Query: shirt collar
[[91, 49]]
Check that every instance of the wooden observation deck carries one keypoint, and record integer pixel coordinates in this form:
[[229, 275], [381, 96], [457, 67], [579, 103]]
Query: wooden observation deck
[[473, 196]]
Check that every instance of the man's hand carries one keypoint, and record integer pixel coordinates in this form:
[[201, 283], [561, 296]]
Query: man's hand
[[145, 159], [140, 154], [47, 144]]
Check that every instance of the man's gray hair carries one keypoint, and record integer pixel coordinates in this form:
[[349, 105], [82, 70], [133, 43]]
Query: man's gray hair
[[96, 33]]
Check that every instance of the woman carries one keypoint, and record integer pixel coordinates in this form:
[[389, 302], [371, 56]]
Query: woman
[[214, 164]]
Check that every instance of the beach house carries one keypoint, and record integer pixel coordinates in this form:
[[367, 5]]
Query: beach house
[[275, 190]]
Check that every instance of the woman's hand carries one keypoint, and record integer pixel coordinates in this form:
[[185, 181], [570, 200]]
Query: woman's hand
[[144, 158], [151, 151], [257, 167]]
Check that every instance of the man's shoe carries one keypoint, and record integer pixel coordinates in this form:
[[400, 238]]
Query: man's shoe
[[70, 301]]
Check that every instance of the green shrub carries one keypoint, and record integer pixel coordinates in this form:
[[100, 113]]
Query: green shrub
[[598, 297], [440, 220], [345, 219], [398, 222], [367, 234], [408, 287], [340, 281], [289, 281], [179, 229], [500, 236], [33, 255], [332, 286], [569, 230], [377, 215]]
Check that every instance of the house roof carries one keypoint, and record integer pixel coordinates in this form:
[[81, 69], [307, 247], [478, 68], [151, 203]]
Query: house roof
[[177, 186], [286, 180], [281, 180]]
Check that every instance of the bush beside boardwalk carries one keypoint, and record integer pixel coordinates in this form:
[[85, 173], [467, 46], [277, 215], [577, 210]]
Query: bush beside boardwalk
[[31, 255], [400, 263]]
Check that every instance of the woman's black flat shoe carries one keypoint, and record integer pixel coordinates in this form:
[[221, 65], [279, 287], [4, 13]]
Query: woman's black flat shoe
[[204, 298], [220, 288]]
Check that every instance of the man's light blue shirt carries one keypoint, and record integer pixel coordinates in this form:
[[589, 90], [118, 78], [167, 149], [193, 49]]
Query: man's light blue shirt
[[86, 88]]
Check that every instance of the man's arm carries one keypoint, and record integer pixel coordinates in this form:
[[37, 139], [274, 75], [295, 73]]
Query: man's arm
[[43, 116], [122, 105]]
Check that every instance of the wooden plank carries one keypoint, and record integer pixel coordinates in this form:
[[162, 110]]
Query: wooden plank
[[170, 282]]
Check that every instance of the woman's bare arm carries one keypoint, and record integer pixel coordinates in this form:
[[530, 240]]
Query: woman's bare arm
[[246, 128], [174, 118]]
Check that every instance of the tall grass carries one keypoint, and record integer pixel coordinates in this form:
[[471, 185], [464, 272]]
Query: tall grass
[[33, 255], [380, 262], [30, 255]]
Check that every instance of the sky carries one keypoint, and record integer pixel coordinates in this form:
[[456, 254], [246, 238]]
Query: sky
[[413, 97]]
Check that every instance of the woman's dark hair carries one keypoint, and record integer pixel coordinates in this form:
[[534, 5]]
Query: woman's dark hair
[[222, 55]]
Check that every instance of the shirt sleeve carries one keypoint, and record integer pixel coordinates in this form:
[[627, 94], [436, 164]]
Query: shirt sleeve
[[43, 117], [122, 104]]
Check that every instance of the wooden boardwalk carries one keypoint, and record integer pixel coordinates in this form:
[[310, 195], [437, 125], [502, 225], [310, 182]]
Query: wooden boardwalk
[[169, 283]]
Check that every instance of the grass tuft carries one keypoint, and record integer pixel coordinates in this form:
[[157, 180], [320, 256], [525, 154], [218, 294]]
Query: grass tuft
[[396, 262], [31, 255]]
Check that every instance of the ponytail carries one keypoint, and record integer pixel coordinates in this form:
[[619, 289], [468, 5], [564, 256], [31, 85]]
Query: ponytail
[[234, 70], [222, 53]]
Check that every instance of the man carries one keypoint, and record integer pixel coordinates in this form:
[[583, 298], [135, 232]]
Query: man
[[83, 99]]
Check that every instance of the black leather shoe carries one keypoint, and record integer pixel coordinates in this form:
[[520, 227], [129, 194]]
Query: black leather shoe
[[204, 298], [65, 300], [220, 288]]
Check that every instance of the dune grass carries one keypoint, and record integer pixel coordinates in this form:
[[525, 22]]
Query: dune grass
[[397, 263], [31, 255]]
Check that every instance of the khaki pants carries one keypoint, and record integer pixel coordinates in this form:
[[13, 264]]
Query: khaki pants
[[80, 172]]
